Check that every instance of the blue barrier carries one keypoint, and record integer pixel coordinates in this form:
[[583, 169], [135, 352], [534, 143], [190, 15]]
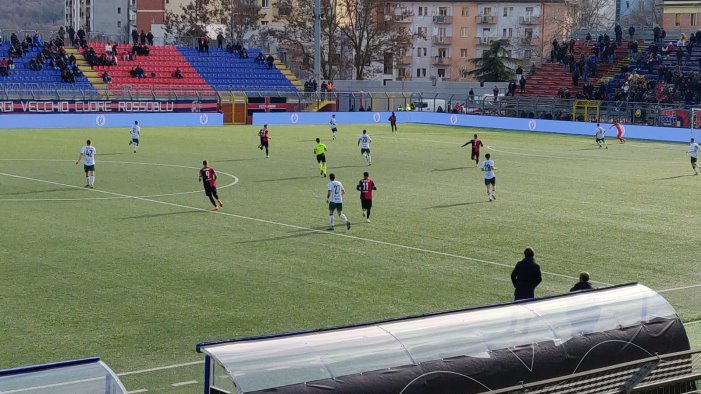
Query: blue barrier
[[109, 120], [492, 122]]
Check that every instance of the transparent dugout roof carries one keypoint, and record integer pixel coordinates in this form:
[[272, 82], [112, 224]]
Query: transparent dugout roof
[[87, 376], [297, 358]]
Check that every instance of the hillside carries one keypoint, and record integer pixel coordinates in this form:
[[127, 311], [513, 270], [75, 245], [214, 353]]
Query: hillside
[[32, 14]]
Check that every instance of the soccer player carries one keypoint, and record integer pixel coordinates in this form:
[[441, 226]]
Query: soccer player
[[490, 179], [620, 130], [334, 196], [364, 143], [320, 152], [264, 139], [694, 153], [332, 123], [365, 187], [476, 145], [208, 177], [87, 153], [601, 136], [393, 122], [135, 132]]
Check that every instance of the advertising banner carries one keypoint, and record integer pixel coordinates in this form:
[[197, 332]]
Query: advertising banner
[[106, 106]]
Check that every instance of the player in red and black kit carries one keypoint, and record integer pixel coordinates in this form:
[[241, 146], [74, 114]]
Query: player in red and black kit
[[208, 177], [365, 187], [393, 122], [476, 145], [264, 138]]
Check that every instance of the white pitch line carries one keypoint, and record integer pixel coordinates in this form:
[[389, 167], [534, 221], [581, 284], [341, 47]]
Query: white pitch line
[[184, 383], [296, 227], [692, 322], [137, 391], [678, 288], [160, 368]]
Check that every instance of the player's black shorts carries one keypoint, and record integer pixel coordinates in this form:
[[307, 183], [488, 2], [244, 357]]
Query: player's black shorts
[[210, 191], [135, 141], [264, 144], [364, 151], [600, 140], [321, 158], [490, 181], [89, 168], [333, 129], [475, 154], [365, 204], [693, 160], [335, 206]]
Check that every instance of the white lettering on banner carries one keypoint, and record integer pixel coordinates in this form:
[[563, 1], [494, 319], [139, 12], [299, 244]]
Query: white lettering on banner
[[92, 106], [6, 106], [145, 106], [45, 106]]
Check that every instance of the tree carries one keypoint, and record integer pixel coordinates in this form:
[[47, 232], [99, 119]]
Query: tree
[[495, 63], [192, 20], [239, 16], [584, 14]]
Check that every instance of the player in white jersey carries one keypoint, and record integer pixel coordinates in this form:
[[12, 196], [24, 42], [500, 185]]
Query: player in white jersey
[[694, 153], [364, 143], [135, 132], [601, 136], [87, 154], [332, 124], [490, 179], [334, 196]]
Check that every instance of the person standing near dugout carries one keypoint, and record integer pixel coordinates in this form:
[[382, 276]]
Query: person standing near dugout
[[526, 276]]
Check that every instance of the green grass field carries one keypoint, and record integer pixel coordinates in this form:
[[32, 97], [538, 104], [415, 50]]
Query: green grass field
[[139, 269]]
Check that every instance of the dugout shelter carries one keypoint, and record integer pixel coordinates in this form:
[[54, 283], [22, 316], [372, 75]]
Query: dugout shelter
[[472, 350], [84, 376]]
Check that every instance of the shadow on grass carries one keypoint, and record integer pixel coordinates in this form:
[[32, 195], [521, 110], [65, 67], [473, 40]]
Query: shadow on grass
[[289, 179], [63, 189], [674, 177], [458, 204], [452, 169], [158, 215]]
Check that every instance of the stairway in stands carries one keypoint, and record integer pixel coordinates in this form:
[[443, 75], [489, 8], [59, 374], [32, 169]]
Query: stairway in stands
[[228, 71], [552, 76], [162, 60]]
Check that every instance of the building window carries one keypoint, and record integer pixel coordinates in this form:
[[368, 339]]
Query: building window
[[421, 73], [677, 19], [264, 3], [487, 11], [119, 24], [463, 31], [441, 73], [420, 52], [263, 23], [443, 11], [423, 31], [119, 10], [693, 20], [508, 11], [423, 11], [463, 53], [465, 11]]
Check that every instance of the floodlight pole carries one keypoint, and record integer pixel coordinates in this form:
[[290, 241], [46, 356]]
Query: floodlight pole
[[317, 42]]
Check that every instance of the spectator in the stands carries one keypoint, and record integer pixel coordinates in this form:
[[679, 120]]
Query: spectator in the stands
[[522, 84], [270, 60], [108, 48], [142, 38], [106, 77], [72, 59], [132, 72], [37, 41], [668, 49], [177, 73], [244, 53], [619, 33], [77, 73], [139, 72], [588, 38], [81, 35], [260, 58], [220, 40], [656, 33], [71, 34], [4, 70], [25, 47], [149, 38], [496, 92], [67, 75], [631, 31], [62, 33], [34, 65], [135, 36]]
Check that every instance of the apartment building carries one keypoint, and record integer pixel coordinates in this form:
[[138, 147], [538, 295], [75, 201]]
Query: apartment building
[[106, 17], [448, 34], [681, 16]]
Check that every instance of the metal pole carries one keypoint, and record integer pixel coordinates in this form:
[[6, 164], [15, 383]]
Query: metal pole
[[317, 42]]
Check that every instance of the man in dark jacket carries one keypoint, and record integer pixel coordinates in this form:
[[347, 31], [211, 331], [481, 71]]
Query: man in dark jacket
[[526, 276], [583, 283]]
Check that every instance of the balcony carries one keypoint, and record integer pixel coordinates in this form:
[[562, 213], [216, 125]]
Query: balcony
[[486, 19], [529, 20], [404, 60], [484, 40], [442, 19], [528, 41], [441, 40], [404, 17], [441, 61]]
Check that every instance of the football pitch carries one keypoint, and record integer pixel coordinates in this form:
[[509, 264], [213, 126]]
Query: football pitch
[[139, 269]]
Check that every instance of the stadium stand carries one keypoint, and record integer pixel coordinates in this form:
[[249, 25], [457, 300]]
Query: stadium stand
[[550, 77], [225, 70], [48, 78], [161, 61]]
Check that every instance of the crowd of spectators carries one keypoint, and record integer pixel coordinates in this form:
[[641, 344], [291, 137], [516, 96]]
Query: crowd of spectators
[[237, 48]]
